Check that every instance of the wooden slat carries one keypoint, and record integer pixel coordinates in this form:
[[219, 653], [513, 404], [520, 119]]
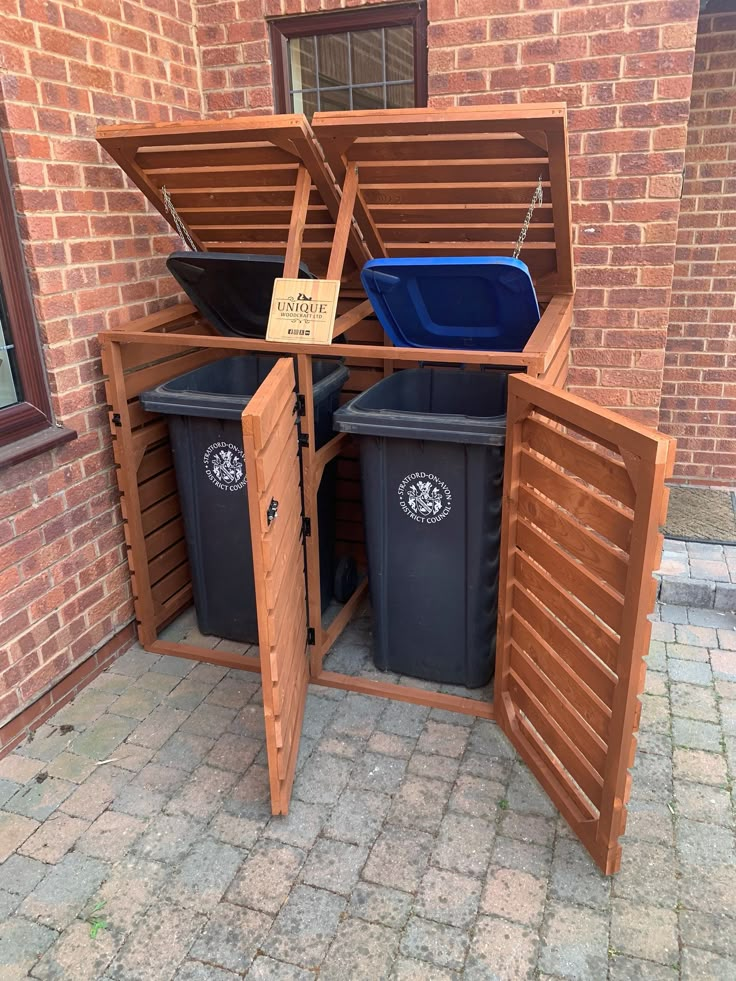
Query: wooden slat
[[155, 490], [558, 739], [591, 631], [419, 148], [610, 564], [601, 599], [590, 508], [606, 474]]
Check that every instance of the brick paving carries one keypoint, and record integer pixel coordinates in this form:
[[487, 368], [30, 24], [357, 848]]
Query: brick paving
[[418, 847], [698, 574]]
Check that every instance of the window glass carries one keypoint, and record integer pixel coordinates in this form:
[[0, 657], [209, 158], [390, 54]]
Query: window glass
[[10, 390]]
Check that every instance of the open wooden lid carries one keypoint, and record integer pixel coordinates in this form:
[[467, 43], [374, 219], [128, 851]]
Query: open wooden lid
[[456, 182], [233, 182]]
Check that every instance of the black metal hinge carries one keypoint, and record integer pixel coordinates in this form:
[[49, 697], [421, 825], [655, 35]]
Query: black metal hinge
[[306, 527], [301, 405], [116, 420], [304, 439], [310, 636]]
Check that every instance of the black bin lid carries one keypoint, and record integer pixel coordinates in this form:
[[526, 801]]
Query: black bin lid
[[232, 290]]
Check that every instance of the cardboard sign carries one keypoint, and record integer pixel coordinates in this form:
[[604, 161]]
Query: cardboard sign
[[303, 311]]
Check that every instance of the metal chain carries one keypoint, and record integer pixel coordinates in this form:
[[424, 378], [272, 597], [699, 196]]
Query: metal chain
[[180, 226], [536, 199]]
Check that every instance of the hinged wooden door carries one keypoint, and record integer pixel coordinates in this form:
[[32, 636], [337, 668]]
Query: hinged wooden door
[[584, 497], [271, 444]]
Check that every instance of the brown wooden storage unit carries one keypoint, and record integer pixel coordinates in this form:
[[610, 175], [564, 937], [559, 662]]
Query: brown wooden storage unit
[[584, 488]]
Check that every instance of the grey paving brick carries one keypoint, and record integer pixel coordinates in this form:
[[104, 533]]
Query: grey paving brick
[[322, 779], [435, 767], [20, 875], [673, 614], [266, 877], [574, 878], [8, 904], [209, 720], [361, 951], [486, 739], [712, 618], [155, 954], [110, 836], [634, 969], [510, 853], [54, 838], [476, 796], [464, 844], [693, 702], [97, 792], [398, 858], [500, 949], [62, 893], [14, 829], [234, 751], [644, 931], [232, 937], [724, 664], [704, 845], [168, 838], [702, 802], [203, 794], [379, 904], [443, 945], [526, 796], [47, 742], [357, 716], [197, 971], [708, 931], [448, 897], [699, 766], [132, 887], [408, 969], [158, 682], [687, 592], [8, 789], [21, 944], [725, 597], [84, 709], [305, 927], [652, 777], [70, 766], [334, 865], [650, 821], [205, 874], [184, 750], [102, 738], [695, 635], [574, 942], [76, 955], [663, 632], [420, 803], [135, 662], [377, 772], [268, 969], [692, 672], [300, 826], [701, 964], [442, 739], [647, 874], [514, 895], [19, 769], [720, 895], [532, 828], [388, 743], [693, 734], [136, 703], [403, 719], [157, 728], [358, 816]]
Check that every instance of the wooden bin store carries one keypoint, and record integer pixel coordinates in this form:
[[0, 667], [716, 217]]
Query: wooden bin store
[[584, 491]]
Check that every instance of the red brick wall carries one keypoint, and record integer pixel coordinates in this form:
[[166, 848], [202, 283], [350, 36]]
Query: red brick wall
[[94, 251], [699, 392], [624, 69]]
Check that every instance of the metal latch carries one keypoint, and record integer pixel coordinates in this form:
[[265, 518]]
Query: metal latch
[[301, 405], [310, 636], [307, 527], [272, 510]]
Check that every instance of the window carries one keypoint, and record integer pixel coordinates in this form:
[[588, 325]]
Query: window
[[366, 58], [26, 425]]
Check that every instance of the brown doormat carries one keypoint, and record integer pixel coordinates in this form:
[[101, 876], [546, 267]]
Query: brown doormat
[[697, 514]]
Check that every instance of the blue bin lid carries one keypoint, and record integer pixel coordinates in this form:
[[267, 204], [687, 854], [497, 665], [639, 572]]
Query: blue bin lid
[[483, 303]]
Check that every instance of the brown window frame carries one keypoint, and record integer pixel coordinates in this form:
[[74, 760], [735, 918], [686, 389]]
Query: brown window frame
[[27, 427], [283, 29]]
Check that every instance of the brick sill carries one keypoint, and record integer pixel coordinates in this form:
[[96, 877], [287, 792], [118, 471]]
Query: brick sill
[[24, 449]]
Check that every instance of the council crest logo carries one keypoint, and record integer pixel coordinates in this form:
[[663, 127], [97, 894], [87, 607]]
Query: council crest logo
[[424, 497], [225, 466]]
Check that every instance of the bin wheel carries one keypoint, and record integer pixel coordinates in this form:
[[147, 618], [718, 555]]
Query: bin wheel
[[346, 579]]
